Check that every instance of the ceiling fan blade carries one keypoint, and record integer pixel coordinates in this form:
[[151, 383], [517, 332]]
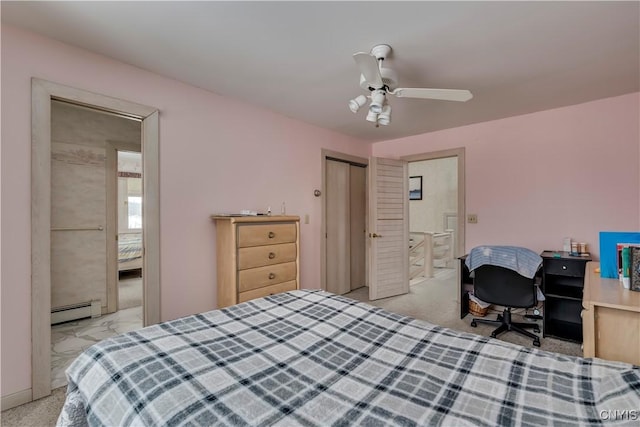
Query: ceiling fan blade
[[369, 68], [443, 94]]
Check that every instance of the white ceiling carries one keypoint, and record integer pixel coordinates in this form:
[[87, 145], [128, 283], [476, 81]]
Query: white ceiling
[[295, 57]]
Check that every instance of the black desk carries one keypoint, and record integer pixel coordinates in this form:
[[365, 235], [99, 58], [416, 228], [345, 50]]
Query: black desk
[[466, 285], [562, 284]]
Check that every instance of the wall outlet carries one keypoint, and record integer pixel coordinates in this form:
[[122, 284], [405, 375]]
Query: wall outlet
[[472, 219]]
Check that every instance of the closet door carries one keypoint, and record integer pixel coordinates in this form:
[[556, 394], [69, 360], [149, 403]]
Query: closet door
[[358, 225], [338, 245]]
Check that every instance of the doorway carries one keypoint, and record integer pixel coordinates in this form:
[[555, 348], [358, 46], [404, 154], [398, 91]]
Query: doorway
[[432, 216], [441, 208], [344, 209], [44, 94]]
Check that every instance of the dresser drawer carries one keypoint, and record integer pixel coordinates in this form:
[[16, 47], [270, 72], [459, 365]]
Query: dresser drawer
[[254, 278], [564, 268], [266, 234], [258, 256], [267, 290]]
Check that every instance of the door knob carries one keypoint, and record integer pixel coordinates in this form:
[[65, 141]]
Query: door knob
[[374, 235]]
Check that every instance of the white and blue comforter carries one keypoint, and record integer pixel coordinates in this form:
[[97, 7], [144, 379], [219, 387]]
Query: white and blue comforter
[[316, 359]]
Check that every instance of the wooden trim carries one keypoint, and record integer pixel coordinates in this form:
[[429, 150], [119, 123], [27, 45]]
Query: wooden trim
[[344, 157], [40, 240], [16, 399], [151, 218], [442, 154], [42, 92], [111, 177], [323, 231]]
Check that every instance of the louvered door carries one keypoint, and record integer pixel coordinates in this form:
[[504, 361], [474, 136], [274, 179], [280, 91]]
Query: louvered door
[[389, 228]]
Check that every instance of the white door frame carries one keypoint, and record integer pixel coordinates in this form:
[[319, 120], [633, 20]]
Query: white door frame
[[459, 154], [323, 241], [42, 92]]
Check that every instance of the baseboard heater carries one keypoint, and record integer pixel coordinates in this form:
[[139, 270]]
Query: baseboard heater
[[76, 311]]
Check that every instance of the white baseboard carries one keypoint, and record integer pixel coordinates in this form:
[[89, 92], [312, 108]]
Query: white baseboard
[[80, 311], [16, 399]]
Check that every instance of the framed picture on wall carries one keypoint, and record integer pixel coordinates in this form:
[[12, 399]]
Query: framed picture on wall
[[415, 188]]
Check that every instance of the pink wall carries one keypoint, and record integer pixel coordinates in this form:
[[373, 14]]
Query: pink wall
[[536, 178], [216, 155], [531, 179]]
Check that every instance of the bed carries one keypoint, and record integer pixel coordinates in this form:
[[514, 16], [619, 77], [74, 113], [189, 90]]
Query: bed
[[314, 358], [129, 251]]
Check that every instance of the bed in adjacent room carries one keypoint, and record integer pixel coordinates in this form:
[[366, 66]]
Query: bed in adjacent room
[[129, 251], [314, 358]]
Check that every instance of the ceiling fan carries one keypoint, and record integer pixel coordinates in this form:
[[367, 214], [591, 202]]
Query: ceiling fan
[[382, 81]]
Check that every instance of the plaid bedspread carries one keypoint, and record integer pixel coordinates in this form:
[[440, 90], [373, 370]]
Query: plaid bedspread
[[129, 246], [314, 358]]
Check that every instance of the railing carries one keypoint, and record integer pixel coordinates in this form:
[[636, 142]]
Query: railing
[[427, 247]]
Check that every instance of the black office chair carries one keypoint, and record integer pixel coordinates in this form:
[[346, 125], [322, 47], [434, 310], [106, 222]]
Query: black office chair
[[502, 286]]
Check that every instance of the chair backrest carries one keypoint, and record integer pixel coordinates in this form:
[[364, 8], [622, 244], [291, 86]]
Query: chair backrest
[[503, 286]]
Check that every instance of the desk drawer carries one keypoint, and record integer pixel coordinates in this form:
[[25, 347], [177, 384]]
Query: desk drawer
[[562, 267], [258, 256], [266, 234], [254, 278], [267, 290]]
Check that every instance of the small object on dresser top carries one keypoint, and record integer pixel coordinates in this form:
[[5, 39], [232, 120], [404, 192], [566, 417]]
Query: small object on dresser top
[[579, 254]]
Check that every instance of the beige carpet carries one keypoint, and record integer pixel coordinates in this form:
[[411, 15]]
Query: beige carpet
[[40, 413], [435, 300]]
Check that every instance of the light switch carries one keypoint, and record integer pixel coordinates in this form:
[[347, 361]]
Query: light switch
[[472, 218], [306, 218]]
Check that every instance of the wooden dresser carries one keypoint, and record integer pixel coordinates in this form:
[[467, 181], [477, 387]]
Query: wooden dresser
[[256, 256], [610, 319]]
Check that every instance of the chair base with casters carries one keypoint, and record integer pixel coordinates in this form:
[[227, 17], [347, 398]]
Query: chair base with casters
[[507, 288], [504, 320]]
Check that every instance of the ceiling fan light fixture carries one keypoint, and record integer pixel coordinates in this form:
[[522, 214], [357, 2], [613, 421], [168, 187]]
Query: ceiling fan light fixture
[[384, 118], [382, 80], [377, 101], [357, 102]]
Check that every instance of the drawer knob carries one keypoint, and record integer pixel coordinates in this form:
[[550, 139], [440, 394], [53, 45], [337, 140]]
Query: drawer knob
[[272, 255], [564, 267], [272, 276], [272, 234]]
